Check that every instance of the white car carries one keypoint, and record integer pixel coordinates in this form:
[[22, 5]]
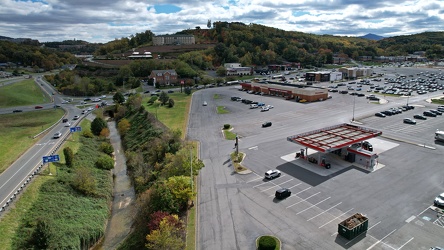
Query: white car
[[439, 200], [68, 124], [271, 174], [57, 135], [264, 109], [269, 106]]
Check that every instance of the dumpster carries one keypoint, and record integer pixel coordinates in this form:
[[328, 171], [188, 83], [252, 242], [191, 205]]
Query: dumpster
[[353, 226]]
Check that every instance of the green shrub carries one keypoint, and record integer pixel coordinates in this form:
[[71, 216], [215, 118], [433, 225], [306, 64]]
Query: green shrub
[[170, 103], [152, 100], [97, 125], [227, 126], [69, 156], [88, 134], [106, 148], [105, 162], [267, 243]]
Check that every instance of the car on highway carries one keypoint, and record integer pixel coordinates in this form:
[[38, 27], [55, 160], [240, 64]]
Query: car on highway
[[57, 135], [17, 111], [87, 99], [379, 114], [266, 124], [282, 193], [420, 117], [409, 121], [205, 104], [65, 120], [271, 174], [76, 117], [38, 107], [439, 200], [68, 124]]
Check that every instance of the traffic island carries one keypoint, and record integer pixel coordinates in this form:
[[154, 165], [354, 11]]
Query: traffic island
[[237, 159], [268, 242]]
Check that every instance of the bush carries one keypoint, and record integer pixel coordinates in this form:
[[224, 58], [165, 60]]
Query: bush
[[105, 162], [87, 134], [170, 103], [267, 243], [69, 156], [97, 125], [106, 148], [227, 126], [152, 100]]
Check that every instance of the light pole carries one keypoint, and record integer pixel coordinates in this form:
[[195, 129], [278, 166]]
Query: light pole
[[354, 101]]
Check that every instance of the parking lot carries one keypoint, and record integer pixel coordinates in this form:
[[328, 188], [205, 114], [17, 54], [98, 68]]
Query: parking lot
[[397, 197]]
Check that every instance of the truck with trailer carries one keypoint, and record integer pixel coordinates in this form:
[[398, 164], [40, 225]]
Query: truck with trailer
[[353, 226]]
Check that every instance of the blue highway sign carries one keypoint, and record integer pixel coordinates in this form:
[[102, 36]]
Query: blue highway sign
[[51, 158], [75, 129]]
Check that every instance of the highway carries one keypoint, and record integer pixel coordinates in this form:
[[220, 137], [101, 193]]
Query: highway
[[15, 178]]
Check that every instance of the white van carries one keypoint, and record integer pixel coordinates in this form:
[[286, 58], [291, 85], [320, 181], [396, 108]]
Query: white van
[[253, 106]]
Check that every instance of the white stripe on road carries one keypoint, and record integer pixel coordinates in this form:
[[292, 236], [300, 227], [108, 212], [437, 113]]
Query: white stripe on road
[[324, 211], [304, 199], [313, 205], [335, 218]]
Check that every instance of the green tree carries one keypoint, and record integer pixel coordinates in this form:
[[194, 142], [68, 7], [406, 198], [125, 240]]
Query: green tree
[[168, 236], [180, 187], [187, 90], [69, 156], [209, 23], [105, 162], [84, 181], [118, 98], [97, 125], [163, 98], [170, 103], [221, 71], [106, 148], [162, 199]]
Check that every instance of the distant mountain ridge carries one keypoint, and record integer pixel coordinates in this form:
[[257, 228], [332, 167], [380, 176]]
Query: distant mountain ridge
[[371, 36]]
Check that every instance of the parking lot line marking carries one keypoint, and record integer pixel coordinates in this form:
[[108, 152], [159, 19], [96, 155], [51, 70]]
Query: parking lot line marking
[[313, 205], [295, 185], [324, 211], [260, 177], [376, 243], [406, 243], [262, 184], [335, 218], [373, 226], [422, 211], [255, 147], [304, 199], [410, 219], [276, 185]]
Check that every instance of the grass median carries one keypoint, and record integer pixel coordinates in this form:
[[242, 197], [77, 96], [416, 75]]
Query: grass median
[[18, 129], [22, 93]]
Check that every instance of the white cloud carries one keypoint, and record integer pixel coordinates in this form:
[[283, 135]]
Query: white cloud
[[105, 20]]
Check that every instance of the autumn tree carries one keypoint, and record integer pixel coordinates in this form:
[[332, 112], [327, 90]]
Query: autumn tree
[[104, 132], [123, 126], [168, 236]]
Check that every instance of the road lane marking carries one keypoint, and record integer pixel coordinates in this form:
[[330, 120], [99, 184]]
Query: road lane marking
[[410, 219]]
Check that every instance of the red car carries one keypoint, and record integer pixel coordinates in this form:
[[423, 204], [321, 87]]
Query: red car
[[38, 107]]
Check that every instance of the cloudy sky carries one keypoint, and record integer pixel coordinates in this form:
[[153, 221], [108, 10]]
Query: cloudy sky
[[106, 20]]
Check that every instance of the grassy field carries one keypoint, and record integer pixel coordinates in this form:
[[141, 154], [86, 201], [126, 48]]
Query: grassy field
[[16, 130], [9, 224], [22, 93], [175, 117]]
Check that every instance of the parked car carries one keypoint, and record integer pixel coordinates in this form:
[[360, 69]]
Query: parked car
[[38, 107], [429, 114], [379, 114], [419, 117], [253, 106], [263, 109], [409, 121], [436, 112], [17, 111], [87, 99], [266, 124], [271, 174], [269, 106], [170, 91], [439, 200], [57, 135], [282, 193]]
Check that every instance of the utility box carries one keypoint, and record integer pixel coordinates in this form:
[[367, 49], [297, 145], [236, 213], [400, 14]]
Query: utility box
[[353, 226]]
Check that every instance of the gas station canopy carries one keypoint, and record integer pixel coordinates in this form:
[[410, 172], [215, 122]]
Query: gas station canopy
[[335, 137]]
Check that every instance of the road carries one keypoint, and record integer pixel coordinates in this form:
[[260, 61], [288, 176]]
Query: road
[[14, 178], [236, 209]]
